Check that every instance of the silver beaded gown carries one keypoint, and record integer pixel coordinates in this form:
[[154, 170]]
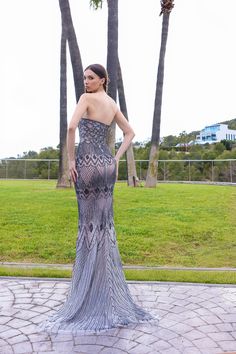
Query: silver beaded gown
[[98, 296]]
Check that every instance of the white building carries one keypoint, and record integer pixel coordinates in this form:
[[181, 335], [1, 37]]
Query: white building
[[215, 133]]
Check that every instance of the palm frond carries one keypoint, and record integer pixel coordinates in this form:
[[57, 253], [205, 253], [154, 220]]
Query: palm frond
[[166, 6], [96, 4]]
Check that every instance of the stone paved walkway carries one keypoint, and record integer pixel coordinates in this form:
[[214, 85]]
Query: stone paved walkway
[[193, 319]]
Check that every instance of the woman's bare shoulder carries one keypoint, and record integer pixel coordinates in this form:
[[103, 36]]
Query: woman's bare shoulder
[[112, 103]]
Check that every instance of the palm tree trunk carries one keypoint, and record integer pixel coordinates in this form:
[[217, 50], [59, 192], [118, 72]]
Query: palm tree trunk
[[63, 177], [130, 163], [151, 179], [68, 33], [75, 56], [112, 62]]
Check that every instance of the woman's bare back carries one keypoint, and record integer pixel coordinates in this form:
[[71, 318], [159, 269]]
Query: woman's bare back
[[100, 107]]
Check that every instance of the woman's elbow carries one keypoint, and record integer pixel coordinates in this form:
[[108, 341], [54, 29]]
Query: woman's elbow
[[71, 129], [132, 134]]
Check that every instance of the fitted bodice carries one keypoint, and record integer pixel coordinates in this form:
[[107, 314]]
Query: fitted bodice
[[92, 131]]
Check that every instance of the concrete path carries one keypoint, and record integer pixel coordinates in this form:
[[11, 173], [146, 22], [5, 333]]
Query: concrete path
[[194, 318]]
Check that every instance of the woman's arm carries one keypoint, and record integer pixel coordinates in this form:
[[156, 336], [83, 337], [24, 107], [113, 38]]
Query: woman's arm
[[78, 113], [128, 135]]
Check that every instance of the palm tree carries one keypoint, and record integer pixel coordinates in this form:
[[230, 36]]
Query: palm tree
[[68, 34], [63, 174], [131, 168], [75, 56], [112, 57], [112, 62], [151, 180]]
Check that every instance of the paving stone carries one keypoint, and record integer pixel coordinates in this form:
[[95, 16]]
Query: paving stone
[[10, 333], [166, 334], [212, 351], [4, 328], [181, 328], [86, 348], [191, 350], [192, 307], [103, 340], [194, 334], [131, 334], [23, 301], [3, 342], [228, 318], [22, 348], [42, 346], [26, 314], [124, 344], [204, 343], [208, 304], [220, 336], [139, 349], [29, 329], [170, 351], [6, 349], [63, 346], [195, 322], [39, 318], [57, 297], [40, 309], [4, 319], [180, 343], [218, 310], [228, 345], [224, 327], [203, 312], [18, 323], [211, 319], [23, 306], [17, 339], [38, 337], [208, 329], [39, 301], [181, 303], [112, 351]]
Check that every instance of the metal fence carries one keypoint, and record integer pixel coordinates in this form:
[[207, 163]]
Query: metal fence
[[168, 170]]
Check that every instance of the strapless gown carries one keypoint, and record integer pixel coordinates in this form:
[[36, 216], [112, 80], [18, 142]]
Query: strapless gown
[[98, 296]]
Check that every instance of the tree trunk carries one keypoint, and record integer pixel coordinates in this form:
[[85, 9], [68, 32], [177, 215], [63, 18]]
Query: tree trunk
[[151, 179], [63, 177], [131, 168], [68, 33], [75, 56], [112, 62]]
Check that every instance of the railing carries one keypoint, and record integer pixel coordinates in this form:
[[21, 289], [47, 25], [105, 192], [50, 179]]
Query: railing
[[168, 170]]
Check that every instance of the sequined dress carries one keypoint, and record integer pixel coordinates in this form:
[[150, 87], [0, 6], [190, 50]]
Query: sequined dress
[[98, 296]]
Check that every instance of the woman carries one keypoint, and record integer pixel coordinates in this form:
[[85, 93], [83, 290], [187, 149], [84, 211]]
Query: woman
[[98, 297]]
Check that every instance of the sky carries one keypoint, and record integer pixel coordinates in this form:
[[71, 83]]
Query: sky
[[200, 74]]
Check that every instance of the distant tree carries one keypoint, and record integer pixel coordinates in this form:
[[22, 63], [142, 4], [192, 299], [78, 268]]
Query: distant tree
[[151, 180], [227, 143], [30, 155], [219, 148], [169, 141]]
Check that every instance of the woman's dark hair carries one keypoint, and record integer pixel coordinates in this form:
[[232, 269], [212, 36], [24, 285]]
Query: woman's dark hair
[[100, 71]]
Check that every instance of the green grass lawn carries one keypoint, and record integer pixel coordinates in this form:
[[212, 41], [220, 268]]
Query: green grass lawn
[[174, 224]]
